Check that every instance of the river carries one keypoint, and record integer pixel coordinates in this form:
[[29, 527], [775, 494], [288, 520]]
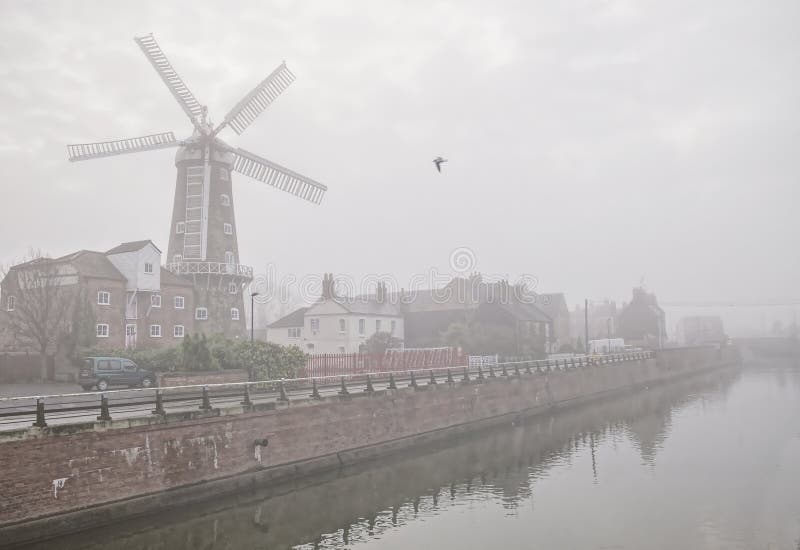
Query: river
[[711, 462]]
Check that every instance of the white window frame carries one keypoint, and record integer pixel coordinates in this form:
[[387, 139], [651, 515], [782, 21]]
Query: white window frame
[[225, 200], [362, 327], [232, 288], [130, 329], [314, 324], [102, 330], [155, 300], [177, 258], [11, 303], [148, 268], [342, 326], [198, 311], [227, 228], [107, 295], [175, 331], [177, 300], [230, 259], [235, 314], [180, 228], [295, 332], [155, 331]]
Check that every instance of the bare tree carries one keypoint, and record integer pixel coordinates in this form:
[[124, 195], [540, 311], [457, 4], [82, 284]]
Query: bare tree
[[39, 295]]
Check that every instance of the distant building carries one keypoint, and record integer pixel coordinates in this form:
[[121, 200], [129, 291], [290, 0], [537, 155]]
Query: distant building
[[699, 330], [642, 322], [338, 324], [555, 307], [603, 321], [133, 301]]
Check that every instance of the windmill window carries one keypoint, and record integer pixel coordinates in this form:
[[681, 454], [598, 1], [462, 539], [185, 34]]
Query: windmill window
[[102, 330], [234, 314], [177, 258], [229, 258], [227, 229], [232, 288], [180, 228], [223, 174], [155, 300], [179, 302], [10, 303], [225, 199], [177, 331], [201, 314], [103, 298], [155, 331], [148, 268]]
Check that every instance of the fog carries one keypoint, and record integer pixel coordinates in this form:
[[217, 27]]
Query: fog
[[593, 145]]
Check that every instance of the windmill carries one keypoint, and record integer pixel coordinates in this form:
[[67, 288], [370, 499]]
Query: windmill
[[203, 239]]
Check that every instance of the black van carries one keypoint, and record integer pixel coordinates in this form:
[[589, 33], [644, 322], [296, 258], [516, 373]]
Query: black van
[[113, 371]]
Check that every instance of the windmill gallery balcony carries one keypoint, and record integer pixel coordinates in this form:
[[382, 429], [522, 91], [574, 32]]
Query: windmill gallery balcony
[[211, 268]]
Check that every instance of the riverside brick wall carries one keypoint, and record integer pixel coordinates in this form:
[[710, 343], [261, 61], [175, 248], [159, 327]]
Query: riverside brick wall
[[55, 470]]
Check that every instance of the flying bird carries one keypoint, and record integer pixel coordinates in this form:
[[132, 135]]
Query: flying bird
[[438, 162]]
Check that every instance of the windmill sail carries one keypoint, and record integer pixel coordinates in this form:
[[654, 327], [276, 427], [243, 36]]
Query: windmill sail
[[254, 103], [273, 174], [86, 151], [176, 86]]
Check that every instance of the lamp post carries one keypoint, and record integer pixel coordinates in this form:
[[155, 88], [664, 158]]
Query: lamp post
[[252, 316], [608, 330]]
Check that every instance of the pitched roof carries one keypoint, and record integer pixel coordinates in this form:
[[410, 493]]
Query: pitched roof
[[132, 246], [525, 312], [294, 319], [551, 303], [369, 304], [92, 264]]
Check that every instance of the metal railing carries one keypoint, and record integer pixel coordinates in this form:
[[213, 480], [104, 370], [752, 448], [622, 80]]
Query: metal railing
[[71, 408]]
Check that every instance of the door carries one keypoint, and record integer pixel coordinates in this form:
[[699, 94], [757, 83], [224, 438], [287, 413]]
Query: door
[[130, 336]]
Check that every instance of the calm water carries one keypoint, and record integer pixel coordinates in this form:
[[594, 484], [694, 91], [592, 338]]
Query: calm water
[[709, 463]]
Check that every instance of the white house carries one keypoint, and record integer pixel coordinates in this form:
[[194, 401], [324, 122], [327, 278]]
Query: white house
[[336, 324]]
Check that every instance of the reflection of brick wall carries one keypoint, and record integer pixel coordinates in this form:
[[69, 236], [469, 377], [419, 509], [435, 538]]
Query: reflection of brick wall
[[190, 378]]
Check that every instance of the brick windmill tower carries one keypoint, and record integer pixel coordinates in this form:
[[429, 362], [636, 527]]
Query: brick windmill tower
[[203, 244]]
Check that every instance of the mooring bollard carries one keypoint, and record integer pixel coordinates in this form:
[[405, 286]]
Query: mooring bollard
[[282, 397], [466, 375], [159, 410], [369, 388], [413, 383], [480, 373], [104, 412], [491, 372], [450, 377], [343, 390], [40, 423], [516, 371], [205, 405], [392, 385], [505, 370], [528, 368], [433, 379], [314, 391], [247, 402]]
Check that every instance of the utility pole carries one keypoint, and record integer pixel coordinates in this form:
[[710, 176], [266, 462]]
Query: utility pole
[[608, 330], [252, 316], [586, 324]]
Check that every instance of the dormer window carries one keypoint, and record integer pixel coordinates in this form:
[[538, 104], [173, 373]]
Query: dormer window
[[225, 200], [148, 268]]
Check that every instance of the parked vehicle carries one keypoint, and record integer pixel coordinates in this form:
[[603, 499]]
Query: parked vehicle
[[102, 372]]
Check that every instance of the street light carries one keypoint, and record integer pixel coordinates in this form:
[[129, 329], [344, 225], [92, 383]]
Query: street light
[[252, 316]]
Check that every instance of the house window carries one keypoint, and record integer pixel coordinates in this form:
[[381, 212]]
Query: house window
[[234, 314], [148, 268], [155, 300], [377, 325], [177, 331], [130, 330], [102, 330], [232, 288], [225, 200], [342, 326], [103, 298], [310, 347], [229, 258], [362, 327], [201, 313], [227, 229], [393, 325], [341, 349], [294, 332], [314, 324], [155, 331], [10, 303], [223, 174], [179, 302], [177, 258], [180, 228]]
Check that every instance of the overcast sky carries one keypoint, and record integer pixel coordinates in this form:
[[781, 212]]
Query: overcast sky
[[590, 143]]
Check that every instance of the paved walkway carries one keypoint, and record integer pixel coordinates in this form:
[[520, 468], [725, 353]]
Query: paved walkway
[[38, 388]]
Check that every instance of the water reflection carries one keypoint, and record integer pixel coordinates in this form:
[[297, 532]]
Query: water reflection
[[503, 466]]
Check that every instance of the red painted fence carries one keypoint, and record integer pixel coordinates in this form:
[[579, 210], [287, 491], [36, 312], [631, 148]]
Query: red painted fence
[[340, 364]]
